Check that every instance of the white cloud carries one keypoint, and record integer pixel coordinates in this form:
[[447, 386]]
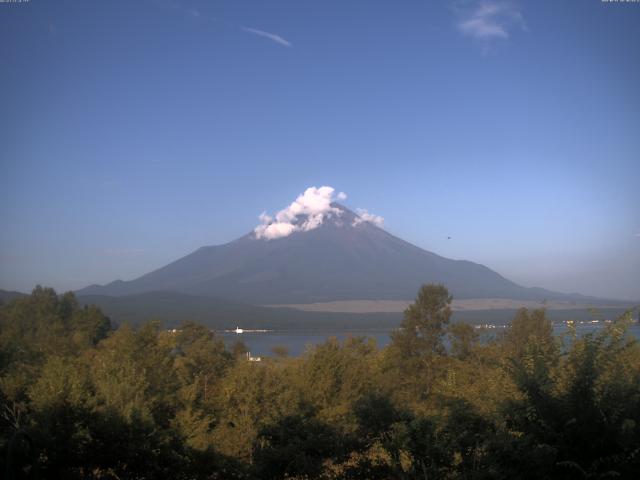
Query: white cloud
[[271, 36], [275, 230], [365, 216], [203, 17], [490, 20], [308, 212]]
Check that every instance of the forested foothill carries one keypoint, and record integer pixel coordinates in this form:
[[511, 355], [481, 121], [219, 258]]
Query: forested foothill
[[82, 400]]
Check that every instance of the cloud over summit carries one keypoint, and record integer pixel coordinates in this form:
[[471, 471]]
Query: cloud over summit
[[306, 213]]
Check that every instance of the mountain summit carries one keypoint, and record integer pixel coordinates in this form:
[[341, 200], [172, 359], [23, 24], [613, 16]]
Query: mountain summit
[[319, 255]]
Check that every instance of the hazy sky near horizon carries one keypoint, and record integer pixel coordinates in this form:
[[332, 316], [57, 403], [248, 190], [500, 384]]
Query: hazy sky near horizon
[[132, 133]]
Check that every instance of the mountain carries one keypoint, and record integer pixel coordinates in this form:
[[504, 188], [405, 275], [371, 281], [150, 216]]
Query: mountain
[[344, 258]]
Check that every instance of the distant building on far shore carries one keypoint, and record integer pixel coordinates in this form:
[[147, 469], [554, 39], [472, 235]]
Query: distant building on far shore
[[253, 359]]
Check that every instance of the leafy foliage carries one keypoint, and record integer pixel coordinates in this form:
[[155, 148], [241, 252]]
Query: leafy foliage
[[79, 399]]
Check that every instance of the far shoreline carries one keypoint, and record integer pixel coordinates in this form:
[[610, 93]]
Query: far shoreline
[[466, 304]]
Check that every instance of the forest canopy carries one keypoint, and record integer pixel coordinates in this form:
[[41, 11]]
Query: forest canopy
[[80, 399]]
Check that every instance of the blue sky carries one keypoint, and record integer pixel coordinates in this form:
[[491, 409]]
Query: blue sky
[[135, 132]]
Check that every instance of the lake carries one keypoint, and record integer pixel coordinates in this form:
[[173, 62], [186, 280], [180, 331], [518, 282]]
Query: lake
[[296, 341]]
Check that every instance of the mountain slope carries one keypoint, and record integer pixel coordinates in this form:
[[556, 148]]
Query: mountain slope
[[344, 258]]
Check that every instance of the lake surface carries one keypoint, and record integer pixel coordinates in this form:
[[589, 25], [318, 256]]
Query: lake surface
[[296, 341]]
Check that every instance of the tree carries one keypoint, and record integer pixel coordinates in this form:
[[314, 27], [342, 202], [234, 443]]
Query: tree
[[415, 355], [203, 360], [239, 349], [530, 330], [250, 396], [89, 325], [334, 373], [585, 410], [464, 340], [280, 351], [295, 447], [422, 328]]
